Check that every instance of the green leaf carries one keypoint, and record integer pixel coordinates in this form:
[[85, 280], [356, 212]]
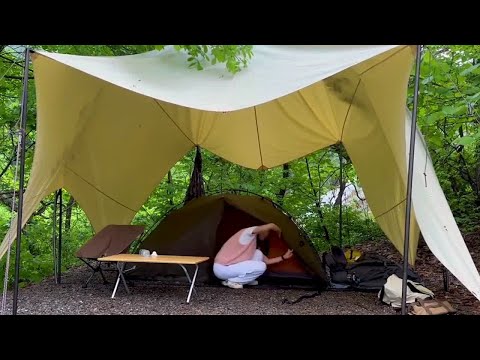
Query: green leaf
[[466, 140], [469, 70], [453, 110], [428, 80], [436, 141], [474, 98], [432, 118]]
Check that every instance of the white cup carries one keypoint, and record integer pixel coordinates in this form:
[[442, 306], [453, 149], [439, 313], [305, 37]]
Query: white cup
[[144, 252]]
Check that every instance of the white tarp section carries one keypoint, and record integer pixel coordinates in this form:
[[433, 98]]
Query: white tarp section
[[435, 218], [269, 75]]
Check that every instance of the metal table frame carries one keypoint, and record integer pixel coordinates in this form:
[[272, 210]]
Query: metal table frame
[[121, 272]]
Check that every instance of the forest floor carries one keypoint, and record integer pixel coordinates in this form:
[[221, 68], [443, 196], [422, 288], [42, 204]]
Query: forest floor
[[159, 298]]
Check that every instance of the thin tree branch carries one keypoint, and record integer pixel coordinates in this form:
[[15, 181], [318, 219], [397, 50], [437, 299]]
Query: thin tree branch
[[9, 163], [14, 62], [17, 77], [317, 202]]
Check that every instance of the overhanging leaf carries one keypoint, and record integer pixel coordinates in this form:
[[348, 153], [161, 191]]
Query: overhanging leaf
[[469, 70], [466, 140], [432, 118], [453, 110]]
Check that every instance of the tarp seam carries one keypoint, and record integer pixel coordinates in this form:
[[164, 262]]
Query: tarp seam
[[178, 127], [349, 107], [258, 135], [381, 62], [100, 191], [332, 113], [392, 208]]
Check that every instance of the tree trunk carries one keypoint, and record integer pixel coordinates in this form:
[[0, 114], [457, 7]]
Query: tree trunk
[[464, 171], [338, 200], [196, 188], [169, 189], [317, 203], [281, 193]]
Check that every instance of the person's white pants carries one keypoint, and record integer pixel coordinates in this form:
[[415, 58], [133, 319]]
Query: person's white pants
[[243, 272]]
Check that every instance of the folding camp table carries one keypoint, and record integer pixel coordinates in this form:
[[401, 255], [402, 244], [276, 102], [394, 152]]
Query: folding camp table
[[111, 240], [123, 259]]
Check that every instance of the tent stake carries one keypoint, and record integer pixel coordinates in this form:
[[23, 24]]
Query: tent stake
[[22, 176], [411, 157]]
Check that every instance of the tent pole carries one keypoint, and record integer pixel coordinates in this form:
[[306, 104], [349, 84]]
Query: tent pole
[[59, 251], [23, 122], [411, 156], [54, 235], [446, 279], [340, 220]]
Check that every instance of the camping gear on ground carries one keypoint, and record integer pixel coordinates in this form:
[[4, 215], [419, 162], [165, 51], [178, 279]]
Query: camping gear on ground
[[353, 255], [204, 224], [431, 307], [111, 240], [391, 292], [369, 273]]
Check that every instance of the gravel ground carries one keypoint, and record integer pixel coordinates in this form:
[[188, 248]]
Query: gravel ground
[[152, 298], [156, 298]]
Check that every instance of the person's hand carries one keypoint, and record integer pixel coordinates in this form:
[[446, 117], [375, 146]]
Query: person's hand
[[288, 254], [275, 228]]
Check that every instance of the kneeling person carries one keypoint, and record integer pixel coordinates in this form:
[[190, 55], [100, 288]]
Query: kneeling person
[[239, 262]]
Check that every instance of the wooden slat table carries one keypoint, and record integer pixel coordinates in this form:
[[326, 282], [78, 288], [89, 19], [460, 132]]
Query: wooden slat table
[[123, 259]]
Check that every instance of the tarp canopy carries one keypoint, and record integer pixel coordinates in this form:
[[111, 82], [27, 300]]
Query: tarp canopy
[[110, 128]]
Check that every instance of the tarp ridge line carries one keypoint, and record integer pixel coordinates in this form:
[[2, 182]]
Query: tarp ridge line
[[258, 135], [393, 207], [173, 121], [349, 107], [381, 62], [100, 191]]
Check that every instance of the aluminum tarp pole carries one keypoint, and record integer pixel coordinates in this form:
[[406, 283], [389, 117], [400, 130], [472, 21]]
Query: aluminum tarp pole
[[59, 247], [54, 235], [23, 123], [411, 157], [340, 220]]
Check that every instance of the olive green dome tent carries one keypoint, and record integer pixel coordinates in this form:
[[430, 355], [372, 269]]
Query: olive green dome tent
[[203, 225]]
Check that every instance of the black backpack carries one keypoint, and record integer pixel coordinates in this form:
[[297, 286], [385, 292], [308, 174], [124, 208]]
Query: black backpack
[[334, 260]]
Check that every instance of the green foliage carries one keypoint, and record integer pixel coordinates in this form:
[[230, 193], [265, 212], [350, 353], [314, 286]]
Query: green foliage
[[235, 57], [449, 120], [37, 260]]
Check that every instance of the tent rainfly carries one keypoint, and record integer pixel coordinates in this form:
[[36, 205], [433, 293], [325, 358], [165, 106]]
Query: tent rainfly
[[101, 121]]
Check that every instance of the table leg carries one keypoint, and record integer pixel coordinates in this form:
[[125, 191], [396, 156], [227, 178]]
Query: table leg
[[193, 283], [120, 267], [188, 277]]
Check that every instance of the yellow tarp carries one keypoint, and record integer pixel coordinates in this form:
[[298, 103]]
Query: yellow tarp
[[110, 144]]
